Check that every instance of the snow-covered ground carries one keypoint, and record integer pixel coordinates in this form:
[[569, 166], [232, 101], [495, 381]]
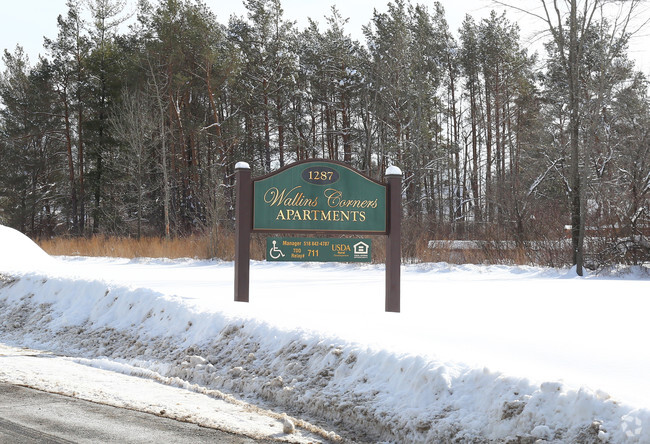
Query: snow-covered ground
[[478, 353]]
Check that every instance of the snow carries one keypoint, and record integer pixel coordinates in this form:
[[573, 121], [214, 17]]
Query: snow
[[393, 171], [478, 353], [112, 383], [17, 252]]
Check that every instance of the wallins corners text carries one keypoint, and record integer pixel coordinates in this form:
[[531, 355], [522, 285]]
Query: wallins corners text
[[292, 204]]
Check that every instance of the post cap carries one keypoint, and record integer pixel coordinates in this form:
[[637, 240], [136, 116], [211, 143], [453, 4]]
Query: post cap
[[242, 166], [393, 171]]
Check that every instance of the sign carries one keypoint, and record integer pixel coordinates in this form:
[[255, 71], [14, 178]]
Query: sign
[[319, 196], [294, 249]]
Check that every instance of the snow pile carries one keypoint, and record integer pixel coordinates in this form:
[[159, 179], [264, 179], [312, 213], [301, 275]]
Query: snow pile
[[18, 252], [332, 354]]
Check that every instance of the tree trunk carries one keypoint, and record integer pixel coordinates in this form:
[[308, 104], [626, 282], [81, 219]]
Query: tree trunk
[[475, 171], [488, 153], [80, 154], [278, 108], [267, 130], [577, 222], [73, 187], [345, 120]]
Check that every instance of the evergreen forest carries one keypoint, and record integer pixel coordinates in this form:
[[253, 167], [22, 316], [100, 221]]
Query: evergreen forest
[[134, 130]]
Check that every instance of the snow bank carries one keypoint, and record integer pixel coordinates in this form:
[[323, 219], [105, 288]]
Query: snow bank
[[339, 366], [371, 394], [19, 253]]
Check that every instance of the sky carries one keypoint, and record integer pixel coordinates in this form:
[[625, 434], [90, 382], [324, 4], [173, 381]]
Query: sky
[[26, 22]]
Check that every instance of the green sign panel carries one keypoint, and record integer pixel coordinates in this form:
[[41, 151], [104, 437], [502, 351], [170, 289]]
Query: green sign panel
[[293, 249], [319, 196]]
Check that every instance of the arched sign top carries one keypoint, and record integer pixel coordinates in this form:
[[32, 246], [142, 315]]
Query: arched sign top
[[320, 175], [322, 161], [319, 196]]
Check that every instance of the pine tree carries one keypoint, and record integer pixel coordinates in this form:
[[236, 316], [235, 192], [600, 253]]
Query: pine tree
[[29, 147]]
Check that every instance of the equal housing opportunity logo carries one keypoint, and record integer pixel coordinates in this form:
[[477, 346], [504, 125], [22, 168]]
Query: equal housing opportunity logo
[[361, 250]]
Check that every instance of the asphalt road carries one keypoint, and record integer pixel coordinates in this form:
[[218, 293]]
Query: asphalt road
[[32, 416]]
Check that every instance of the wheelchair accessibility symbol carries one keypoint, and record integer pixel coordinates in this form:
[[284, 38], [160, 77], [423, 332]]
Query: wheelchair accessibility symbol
[[275, 252]]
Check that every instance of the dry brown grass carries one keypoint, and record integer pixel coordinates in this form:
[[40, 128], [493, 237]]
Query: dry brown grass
[[221, 245], [199, 247]]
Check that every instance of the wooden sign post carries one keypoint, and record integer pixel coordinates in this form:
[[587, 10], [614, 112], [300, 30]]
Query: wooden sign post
[[394, 239], [243, 219], [318, 196]]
